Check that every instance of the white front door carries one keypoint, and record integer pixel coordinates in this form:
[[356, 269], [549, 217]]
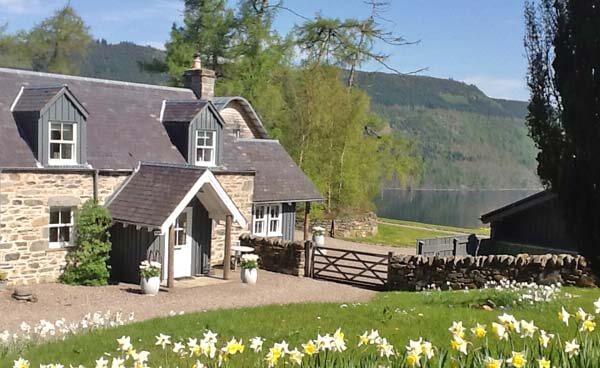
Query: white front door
[[183, 244]]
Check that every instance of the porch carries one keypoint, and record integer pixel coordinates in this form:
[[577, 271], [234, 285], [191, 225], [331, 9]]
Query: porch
[[166, 213]]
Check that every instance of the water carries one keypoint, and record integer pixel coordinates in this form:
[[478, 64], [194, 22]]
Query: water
[[445, 207]]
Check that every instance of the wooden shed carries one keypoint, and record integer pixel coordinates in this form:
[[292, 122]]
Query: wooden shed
[[532, 225]]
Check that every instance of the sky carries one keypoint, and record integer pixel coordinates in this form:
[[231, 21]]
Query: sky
[[478, 42]]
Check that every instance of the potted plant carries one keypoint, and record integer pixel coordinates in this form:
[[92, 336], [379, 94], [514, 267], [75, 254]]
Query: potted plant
[[150, 277], [3, 278], [249, 267], [318, 233]]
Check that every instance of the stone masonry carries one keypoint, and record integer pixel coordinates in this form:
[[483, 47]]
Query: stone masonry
[[240, 187], [347, 227], [276, 255], [418, 272], [25, 198]]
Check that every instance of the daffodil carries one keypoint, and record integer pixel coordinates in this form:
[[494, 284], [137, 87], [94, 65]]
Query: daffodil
[[256, 344], [413, 360], [545, 338], [572, 348], [517, 360], [543, 363], [459, 344], [479, 331], [427, 349], [21, 363], [385, 349], [415, 347], [457, 329], [233, 346], [273, 356], [310, 348], [210, 337], [588, 325], [163, 340], [124, 343], [296, 357], [510, 322], [178, 348], [338, 342], [492, 363], [597, 305], [564, 316], [581, 315], [101, 363], [499, 331], [374, 337], [193, 347], [363, 339], [528, 329]]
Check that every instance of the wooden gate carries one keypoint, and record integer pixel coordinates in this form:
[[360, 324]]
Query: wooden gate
[[368, 270]]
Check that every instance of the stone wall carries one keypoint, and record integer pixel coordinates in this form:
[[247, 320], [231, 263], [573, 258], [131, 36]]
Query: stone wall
[[277, 255], [236, 118], [25, 198], [417, 272], [240, 188], [345, 227]]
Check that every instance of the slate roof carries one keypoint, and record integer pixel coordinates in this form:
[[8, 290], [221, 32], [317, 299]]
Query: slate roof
[[35, 98], [152, 194], [182, 111], [278, 178]]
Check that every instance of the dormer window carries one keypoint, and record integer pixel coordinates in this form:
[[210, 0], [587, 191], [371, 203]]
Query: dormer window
[[205, 147], [62, 143]]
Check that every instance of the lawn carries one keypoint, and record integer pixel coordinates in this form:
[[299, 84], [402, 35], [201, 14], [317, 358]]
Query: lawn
[[400, 233], [399, 316]]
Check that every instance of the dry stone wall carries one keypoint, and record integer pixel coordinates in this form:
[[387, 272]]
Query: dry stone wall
[[240, 188], [346, 227], [278, 255], [418, 272], [25, 199]]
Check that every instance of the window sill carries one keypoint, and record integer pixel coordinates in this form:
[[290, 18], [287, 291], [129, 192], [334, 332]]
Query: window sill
[[61, 248]]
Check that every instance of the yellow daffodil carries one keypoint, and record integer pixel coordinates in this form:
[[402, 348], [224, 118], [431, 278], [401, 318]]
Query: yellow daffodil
[[588, 325], [338, 343], [479, 331], [492, 363], [459, 344], [273, 356], [564, 316], [233, 346], [572, 348], [412, 360], [363, 339], [543, 363], [310, 348], [517, 360]]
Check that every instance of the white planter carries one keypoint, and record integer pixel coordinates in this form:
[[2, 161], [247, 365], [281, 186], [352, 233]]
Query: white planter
[[319, 240], [249, 276], [150, 286]]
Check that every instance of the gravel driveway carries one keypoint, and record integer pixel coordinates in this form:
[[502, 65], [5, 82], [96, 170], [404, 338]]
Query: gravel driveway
[[56, 301]]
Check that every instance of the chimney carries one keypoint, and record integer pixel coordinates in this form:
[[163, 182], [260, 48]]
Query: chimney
[[201, 81]]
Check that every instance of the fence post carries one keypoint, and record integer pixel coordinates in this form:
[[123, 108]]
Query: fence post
[[420, 245], [388, 285], [454, 246], [308, 248]]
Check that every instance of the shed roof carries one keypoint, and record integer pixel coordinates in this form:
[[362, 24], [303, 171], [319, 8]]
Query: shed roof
[[518, 206]]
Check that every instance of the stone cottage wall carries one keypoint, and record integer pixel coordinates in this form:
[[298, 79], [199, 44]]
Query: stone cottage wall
[[345, 227], [25, 198], [417, 272], [277, 255], [240, 188]]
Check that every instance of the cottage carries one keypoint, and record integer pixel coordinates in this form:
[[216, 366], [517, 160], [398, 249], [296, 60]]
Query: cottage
[[182, 171], [531, 225]]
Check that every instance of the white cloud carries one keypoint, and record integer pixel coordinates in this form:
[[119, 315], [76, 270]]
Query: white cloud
[[508, 88]]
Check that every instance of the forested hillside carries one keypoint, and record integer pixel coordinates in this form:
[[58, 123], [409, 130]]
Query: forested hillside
[[467, 139]]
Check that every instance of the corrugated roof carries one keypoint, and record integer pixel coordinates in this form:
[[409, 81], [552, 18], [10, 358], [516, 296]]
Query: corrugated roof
[[152, 194], [182, 111]]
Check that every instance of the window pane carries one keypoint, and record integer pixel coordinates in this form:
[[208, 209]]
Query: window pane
[[53, 234], [54, 217], [68, 132], [55, 150], [55, 131], [67, 151], [65, 234], [207, 155], [209, 139], [65, 216]]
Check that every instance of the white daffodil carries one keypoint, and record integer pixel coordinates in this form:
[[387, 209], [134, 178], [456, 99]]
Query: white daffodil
[[415, 346], [545, 338], [499, 331], [581, 315], [256, 344], [385, 349], [457, 329], [296, 357], [572, 348], [427, 349], [210, 337], [597, 305], [163, 340], [124, 343], [528, 329], [21, 363], [338, 342], [101, 363], [564, 316]]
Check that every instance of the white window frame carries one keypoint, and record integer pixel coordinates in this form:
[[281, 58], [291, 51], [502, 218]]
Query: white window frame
[[213, 148], [61, 142], [266, 220], [181, 233], [60, 226]]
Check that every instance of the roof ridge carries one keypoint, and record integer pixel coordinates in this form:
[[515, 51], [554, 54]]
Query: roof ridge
[[90, 79]]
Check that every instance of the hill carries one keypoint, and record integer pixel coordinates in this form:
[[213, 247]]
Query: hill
[[467, 139]]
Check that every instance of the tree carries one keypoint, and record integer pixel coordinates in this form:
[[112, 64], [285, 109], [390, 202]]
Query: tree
[[87, 262], [563, 44], [13, 53], [59, 43]]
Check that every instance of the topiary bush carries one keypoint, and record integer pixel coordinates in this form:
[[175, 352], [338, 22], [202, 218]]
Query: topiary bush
[[87, 262]]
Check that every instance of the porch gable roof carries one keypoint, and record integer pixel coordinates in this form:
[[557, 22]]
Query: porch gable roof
[[156, 194]]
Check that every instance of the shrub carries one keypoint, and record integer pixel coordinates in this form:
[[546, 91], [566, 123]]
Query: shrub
[[249, 261], [87, 262], [149, 269]]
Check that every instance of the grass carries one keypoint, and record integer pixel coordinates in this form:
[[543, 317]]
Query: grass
[[399, 233], [399, 316]]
